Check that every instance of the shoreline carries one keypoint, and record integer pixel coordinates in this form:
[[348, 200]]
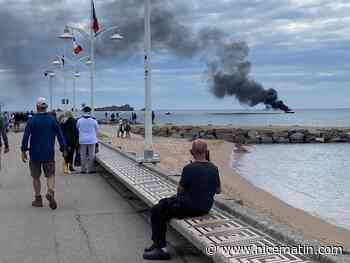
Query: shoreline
[[236, 187]]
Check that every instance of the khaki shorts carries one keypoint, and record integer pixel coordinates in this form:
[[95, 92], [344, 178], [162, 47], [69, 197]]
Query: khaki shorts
[[48, 167]]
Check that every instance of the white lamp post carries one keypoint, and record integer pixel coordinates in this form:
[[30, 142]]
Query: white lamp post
[[51, 76], [66, 36], [75, 76], [148, 150]]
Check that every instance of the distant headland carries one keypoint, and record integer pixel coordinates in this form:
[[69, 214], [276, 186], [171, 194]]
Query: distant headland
[[125, 107]]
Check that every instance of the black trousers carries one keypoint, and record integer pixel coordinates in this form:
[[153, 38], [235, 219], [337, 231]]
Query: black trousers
[[161, 214], [70, 155], [3, 134]]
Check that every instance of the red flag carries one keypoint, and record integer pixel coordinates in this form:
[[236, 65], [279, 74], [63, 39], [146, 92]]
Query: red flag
[[76, 47], [95, 25]]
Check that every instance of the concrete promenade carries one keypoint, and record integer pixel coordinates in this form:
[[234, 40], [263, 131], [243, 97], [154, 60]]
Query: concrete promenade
[[93, 223]]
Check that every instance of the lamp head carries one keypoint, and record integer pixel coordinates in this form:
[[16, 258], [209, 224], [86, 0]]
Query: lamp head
[[67, 35], [57, 62], [117, 36]]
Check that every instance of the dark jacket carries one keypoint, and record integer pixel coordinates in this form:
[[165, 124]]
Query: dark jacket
[[42, 130], [70, 132]]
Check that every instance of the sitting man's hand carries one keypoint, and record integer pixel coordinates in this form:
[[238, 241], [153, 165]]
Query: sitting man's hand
[[24, 157]]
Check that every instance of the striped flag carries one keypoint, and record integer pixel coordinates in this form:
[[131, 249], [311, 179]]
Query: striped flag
[[76, 47], [95, 25]]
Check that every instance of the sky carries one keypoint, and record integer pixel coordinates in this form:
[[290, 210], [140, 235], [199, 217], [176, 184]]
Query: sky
[[297, 47]]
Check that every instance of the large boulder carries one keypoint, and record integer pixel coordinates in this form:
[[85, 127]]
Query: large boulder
[[297, 137], [253, 140], [311, 138], [319, 139], [266, 139], [281, 139], [227, 137], [296, 130], [252, 134], [338, 139], [239, 139]]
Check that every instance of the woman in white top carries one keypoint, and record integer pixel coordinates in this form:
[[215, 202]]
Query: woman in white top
[[88, 128]]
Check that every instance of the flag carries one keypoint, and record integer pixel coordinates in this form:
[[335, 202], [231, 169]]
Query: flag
[[76, 47], [95, 25]]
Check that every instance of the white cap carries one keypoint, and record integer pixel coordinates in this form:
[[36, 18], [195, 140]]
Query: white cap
[[41, 102]]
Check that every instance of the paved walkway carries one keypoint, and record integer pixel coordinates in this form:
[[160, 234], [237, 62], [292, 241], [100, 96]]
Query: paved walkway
[[94, 223]]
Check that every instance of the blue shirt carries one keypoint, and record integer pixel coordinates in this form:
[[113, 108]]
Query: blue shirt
[[200, 181], [42, 130]]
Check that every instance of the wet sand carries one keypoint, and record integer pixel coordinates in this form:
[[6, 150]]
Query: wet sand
[[175, 154]]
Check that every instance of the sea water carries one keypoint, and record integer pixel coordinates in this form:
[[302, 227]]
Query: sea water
[[318, 117], [312, 177]]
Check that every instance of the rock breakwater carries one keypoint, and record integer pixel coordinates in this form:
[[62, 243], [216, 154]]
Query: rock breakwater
[[253, 135]]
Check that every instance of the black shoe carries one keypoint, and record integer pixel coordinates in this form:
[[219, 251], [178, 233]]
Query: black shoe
[[156, 254], [148, 249], [71, 168]]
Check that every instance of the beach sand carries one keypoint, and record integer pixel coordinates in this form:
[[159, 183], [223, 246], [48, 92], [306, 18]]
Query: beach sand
[[175, 155]]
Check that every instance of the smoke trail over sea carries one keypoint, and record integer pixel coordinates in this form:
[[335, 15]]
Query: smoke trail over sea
[[28, 41]]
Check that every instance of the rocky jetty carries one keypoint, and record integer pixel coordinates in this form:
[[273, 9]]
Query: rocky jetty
[[254, 135]]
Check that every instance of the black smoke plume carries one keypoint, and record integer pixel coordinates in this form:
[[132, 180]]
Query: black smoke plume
[[29, 40], [228, 67], [229, 76]]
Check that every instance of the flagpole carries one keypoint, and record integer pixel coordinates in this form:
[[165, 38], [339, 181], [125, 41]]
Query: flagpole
[[74, 92], [64, 78], [51, 91], [92, 58], [148, 148]]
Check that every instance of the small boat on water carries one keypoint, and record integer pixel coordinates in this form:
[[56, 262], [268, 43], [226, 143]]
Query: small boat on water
[[168, 113]]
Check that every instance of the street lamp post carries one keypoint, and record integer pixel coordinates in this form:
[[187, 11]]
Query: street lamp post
[[66, 36], [75, 76], [148, 150], [51, 76]]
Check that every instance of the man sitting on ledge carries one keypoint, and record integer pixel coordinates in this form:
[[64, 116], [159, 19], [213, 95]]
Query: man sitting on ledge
[[199, 182]]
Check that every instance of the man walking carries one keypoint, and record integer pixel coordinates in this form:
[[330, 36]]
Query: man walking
[[88, 128], [41, 131], [199, 183]]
